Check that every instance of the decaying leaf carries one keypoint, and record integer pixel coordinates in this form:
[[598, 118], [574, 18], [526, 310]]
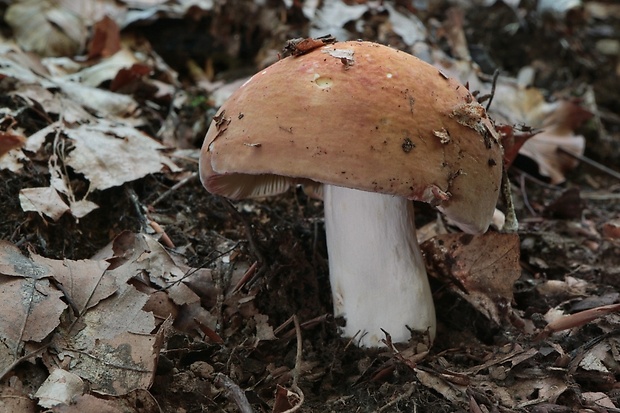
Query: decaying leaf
[[109, 154], [60, 387], [14, 397], [106, 39], [46, 27], [87, 403], [10, 141], [557, 133], [480, 268], [141, 254], [113, 346], [45, 200], [30, 306], [85, 283]]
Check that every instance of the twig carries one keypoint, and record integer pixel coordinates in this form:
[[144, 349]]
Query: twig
[[401, 397], [139, 208], [493, 84], [25, 357], [591, 162], [299, 351], [233, 392], [174, 188], [247, 229], [526, 200], [297, 369]]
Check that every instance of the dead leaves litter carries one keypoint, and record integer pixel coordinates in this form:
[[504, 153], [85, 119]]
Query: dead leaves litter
[[480, 268]]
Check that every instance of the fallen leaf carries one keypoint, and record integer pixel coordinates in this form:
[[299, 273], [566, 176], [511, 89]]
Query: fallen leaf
[[109, 154], [46, 27], [88, 403], [14, 398], [105, 40], [45, 201], [10, 141], [30, 307], [60, 387], [599, 400], [84, 282], [567, 206], [480, 268]]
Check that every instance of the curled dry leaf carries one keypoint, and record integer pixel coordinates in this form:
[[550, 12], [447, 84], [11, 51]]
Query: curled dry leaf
[[480, 268], [60, 387], [557, 132], [45, 201], [109, 154], [611, 229]]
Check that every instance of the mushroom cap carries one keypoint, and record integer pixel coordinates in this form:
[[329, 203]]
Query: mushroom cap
[[358, 115]]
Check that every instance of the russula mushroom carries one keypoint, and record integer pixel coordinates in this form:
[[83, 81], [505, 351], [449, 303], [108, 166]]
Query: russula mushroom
[[377, 128]]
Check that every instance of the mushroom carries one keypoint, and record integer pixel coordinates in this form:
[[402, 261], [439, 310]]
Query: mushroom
[[377, 128]]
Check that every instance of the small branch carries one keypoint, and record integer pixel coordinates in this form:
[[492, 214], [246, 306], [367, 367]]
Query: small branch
[[25, 357], [298, 358], [247, 229], [591, 162], [174, 188], [297, 369], [401, 397], [493, 85], [233, 392]]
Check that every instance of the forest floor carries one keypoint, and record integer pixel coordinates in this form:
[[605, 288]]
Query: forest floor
[[128, 287]]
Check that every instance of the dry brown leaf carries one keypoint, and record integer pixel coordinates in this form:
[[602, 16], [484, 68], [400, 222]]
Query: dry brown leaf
[[30, 307], [105, 70], [14, 398], [60, 387], [9, 141], [46, 27], [104, 103], [611, 229], [114, 349], [106, 39], [118, 365], [147, 256], [111, 342], [45, 201], [534, 390], [90, 404], [598, 400], [557, 132], [109, 154], [84, 282], [480, 268], [452, 392]]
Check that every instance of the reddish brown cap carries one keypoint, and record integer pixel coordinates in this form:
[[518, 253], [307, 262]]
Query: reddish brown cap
[[359, 115]]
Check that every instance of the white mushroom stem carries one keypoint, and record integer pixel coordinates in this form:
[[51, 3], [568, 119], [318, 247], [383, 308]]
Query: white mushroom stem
[[376, 269]]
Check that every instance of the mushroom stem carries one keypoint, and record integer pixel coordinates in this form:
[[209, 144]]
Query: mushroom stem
[[376, 268]]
